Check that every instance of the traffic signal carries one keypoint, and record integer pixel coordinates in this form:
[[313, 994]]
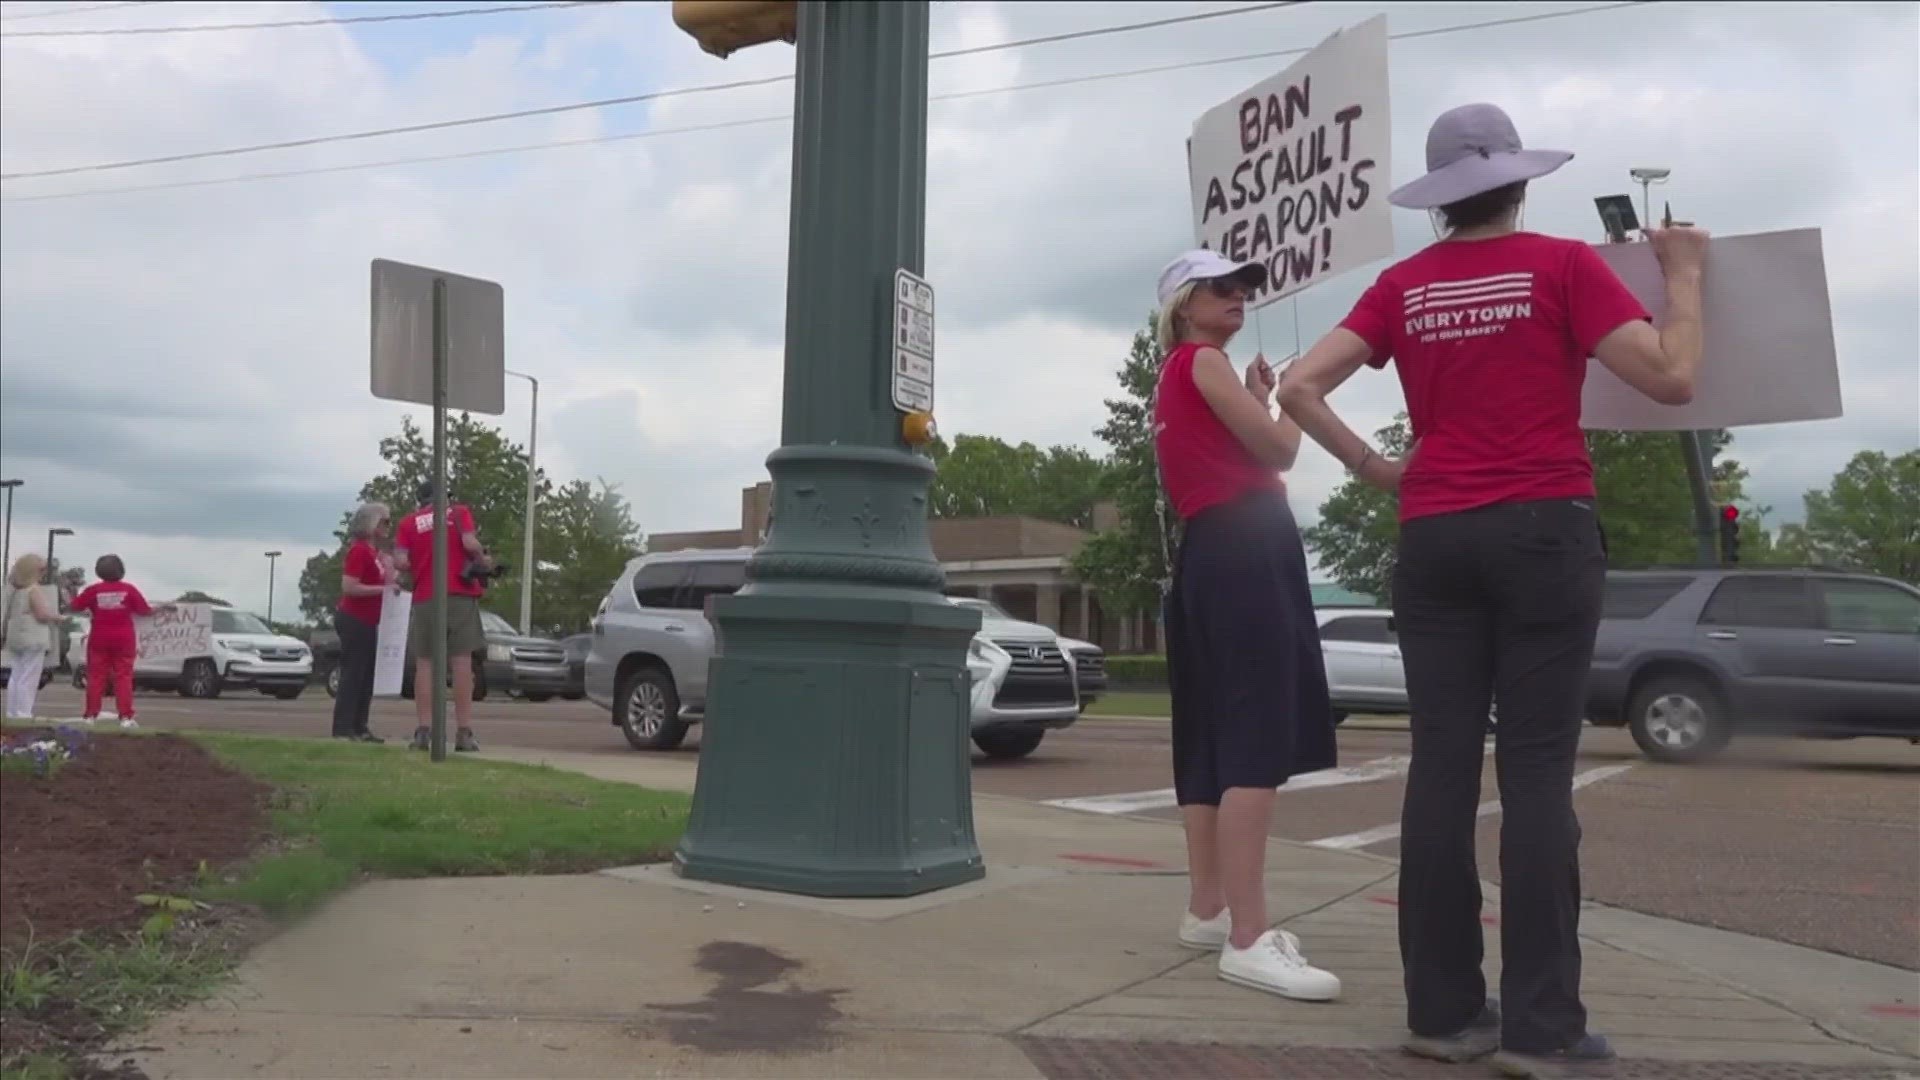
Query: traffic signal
[[1730, 533], [724, 26]]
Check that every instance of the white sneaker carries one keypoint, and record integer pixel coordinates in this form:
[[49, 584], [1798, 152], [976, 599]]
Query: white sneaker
[[1273, 963], [129, 723], [1206, 934]]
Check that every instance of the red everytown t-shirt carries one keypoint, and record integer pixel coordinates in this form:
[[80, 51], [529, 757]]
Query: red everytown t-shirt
[[1491, 338], [415, 535], [1202, 464], [362, 564], [113, 604]]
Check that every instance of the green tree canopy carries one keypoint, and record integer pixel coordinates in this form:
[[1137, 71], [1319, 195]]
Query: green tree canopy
[[981, 476], [1128, 564], [1867, 519]]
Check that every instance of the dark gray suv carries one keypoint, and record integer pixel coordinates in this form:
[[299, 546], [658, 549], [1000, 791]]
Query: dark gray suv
[[1688, 657]]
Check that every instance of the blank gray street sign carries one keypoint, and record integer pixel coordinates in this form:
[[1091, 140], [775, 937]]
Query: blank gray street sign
[[403, 338]]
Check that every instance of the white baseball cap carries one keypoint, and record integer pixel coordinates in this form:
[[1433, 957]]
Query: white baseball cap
[[1202, 264]]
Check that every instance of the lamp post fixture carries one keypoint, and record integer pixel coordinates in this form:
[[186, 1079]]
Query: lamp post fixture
[[273, 561], [533, 475], [51, 533]]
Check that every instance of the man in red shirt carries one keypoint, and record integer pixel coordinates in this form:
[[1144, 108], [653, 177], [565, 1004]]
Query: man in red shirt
[[112, 643], [413, 552], [1500, 568]]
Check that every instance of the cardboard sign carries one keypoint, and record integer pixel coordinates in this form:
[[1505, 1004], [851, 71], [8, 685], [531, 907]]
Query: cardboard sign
[[1294, 172], [390, 644], [175, 634], [1769, 355]]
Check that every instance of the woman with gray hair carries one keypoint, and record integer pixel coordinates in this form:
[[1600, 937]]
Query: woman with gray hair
[[364, 577]]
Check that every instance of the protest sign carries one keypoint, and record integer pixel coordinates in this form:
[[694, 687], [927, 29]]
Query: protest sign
[[390, 644], [1293, 173], [1768, 329], [174, 634]]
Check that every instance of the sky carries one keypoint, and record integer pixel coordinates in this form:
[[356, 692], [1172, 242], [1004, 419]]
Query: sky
[[184, 372]]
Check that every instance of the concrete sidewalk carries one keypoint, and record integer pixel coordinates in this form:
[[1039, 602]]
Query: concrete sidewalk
[[1060, 964]]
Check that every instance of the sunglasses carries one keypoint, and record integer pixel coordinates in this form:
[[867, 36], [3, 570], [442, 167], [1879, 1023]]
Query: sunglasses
[[1227, 288]]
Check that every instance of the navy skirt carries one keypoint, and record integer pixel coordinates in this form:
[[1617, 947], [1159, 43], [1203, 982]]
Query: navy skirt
[[1250, 705]]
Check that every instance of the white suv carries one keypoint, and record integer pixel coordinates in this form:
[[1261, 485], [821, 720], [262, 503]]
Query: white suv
[[652, 646], [246, 654]]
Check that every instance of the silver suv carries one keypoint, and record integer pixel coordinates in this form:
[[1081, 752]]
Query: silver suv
[[652, 646], [1685, 658]]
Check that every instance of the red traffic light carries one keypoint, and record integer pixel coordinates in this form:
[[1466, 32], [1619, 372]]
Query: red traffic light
[[1730, 513]]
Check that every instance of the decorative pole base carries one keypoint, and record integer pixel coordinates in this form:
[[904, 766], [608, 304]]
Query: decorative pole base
[[835, 757]]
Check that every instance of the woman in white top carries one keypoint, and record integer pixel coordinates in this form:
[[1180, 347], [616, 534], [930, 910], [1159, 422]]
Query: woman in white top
[[29, 617]]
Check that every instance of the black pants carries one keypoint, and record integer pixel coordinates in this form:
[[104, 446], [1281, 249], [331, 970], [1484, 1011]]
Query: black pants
[[1496, 605], [359, 640]]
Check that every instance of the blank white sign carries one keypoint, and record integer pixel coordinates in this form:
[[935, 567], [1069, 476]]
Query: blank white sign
[[1769, 356], [403, 338]]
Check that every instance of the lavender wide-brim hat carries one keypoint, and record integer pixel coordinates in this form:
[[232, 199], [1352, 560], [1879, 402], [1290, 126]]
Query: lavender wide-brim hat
[[1470, 150]]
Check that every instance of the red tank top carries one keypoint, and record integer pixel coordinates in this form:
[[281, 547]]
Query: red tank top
[[1202, 464]]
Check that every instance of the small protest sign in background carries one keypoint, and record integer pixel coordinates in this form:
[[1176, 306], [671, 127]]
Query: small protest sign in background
[[1293, 173], [390, 644], [1769, 355], [173, 634]]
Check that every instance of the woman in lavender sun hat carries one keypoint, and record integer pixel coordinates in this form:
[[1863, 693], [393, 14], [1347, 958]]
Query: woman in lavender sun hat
[[1500, 565]]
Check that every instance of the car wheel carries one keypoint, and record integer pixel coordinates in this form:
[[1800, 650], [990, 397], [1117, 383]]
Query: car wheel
[[537, 698], [333, 681], [1339, 718], [1008, 745], [479, 683], [647, 708], [199, 679], [45, 678], [80, 677], [287, 693], [573, 696], [1679, 720]]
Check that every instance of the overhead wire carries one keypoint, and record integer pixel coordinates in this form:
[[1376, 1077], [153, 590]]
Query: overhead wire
[[69, 10], [753, 121], [335, 20], [628, 99]]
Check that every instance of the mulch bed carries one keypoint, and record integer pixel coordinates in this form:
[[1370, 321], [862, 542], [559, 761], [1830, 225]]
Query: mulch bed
[[128, 815]]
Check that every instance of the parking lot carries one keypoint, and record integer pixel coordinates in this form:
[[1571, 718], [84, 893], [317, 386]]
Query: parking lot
[[1815, 843]]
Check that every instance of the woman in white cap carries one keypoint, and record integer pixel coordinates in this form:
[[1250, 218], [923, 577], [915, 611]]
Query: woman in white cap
[[1250, 705], [1500, 567]]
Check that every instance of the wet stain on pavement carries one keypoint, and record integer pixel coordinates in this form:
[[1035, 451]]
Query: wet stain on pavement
[[746, 1012]]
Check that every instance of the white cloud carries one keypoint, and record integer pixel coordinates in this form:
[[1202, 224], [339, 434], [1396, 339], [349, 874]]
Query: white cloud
[[183, 373]]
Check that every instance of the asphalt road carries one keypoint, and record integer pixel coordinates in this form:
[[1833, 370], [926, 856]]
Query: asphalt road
[[1816, 843]]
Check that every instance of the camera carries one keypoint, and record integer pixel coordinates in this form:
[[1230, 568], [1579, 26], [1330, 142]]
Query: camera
[[478, 573]]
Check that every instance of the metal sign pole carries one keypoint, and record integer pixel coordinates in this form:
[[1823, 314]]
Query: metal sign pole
[[440, 554]]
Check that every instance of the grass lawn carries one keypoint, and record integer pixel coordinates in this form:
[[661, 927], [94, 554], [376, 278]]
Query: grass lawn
[[339, 812], [1155, 703], [343, 811]]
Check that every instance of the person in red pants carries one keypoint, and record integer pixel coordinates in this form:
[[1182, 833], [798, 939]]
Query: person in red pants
[[112, 643]]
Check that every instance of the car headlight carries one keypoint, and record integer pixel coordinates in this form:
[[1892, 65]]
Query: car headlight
[[239, 646], [499, 654]]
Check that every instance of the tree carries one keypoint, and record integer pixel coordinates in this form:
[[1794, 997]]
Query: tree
[[1646, 508], [584, 536], [981, 476], [583, 533], [1868, 518], [1128, 565]]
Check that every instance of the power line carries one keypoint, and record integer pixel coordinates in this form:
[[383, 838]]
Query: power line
[[750, 122], [64, 10], [630, 99], [119, 31]]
